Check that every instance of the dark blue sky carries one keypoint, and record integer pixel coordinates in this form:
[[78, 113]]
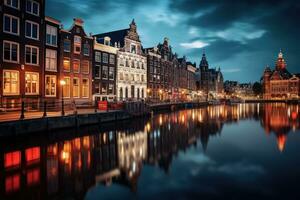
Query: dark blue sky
[[240, 36]]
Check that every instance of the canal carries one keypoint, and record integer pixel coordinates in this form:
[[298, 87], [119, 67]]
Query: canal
[[245, 151]]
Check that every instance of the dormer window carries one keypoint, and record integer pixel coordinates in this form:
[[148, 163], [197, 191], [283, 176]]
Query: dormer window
[[133, 48], [107, 41]]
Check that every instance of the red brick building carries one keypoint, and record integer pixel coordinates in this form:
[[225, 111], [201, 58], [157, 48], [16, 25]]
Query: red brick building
[[280, 83]]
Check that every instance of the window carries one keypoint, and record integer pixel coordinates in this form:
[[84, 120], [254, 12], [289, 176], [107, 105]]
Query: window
[[121, 76], [133, 48], [86, 49], [127, 63], [77, 44], [132, 64], [142, 78], [104, 72], [51, 60], [32, 83], [32, 30], [105, 58], [66, 88], [76, 88], [67, 45], [126, 77], [11, 24], [121, 62], [31, 55], [85, 67], [131, 77], [111, 74], [32, 154], [12, 3], [66, 64], [112, 59], [32, 7], [98, 56], [97, 71], [11, 82], [85, 88], [11, 51], [76, 66], [103, 88], [110, 89], [50, 86], [51, 35]]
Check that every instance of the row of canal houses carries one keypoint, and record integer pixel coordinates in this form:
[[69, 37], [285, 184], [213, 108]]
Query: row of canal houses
[[38, 54]]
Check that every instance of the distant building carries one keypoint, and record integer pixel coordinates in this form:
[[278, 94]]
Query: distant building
[[280, 83], [211, 80], [131, 63], [104, 69], [236, 88]]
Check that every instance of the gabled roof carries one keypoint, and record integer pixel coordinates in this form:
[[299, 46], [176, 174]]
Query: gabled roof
[[115, 36]]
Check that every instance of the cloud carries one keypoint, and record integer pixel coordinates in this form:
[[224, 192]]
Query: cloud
[[232, 70], [194, 45]]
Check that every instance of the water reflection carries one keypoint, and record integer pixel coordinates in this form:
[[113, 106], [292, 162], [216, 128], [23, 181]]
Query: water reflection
[[69, 166]]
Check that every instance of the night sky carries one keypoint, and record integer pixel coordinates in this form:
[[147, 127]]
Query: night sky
[[240, 36]]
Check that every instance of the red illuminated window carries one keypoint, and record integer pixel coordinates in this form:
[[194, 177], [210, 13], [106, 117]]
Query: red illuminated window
[[33, 177], [32, 154], [12, 183], [12, 159]]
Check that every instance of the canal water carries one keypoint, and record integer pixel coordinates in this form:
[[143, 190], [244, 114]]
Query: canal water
[[246, 151]]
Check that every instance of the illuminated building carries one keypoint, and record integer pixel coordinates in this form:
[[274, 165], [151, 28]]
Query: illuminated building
[[131, 63], [280, 83]]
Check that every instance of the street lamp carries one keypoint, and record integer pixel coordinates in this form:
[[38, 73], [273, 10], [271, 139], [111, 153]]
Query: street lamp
[[62, 83], [160, 94]]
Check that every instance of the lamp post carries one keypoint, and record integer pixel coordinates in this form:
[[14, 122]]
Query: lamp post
[[62, 83]]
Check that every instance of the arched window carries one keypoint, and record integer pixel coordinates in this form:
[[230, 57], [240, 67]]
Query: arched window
[[138, 93], [126, 93]]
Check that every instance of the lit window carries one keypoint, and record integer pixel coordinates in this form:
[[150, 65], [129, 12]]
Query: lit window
[[50, 85], [12, 159], [85, 67], [12, 3], [66, 64], [32, 83], [11, 82], [51, 60], [76, 87], [77, 44], [32, 30], [32, 154], [66, 88], [11, 24], [12, 183], [76, 66], [103, 88], [85, 88], [51, 35], [31, 55], [33, 177], [32, 7], [11, 51]]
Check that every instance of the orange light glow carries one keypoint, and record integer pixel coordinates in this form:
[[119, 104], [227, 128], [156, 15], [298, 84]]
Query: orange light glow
[[33, 177], [32, 154], [281, 140], [294, 115], [12, 159], [12, 183]]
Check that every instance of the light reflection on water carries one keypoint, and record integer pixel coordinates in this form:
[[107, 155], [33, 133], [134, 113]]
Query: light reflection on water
[[241, 151]]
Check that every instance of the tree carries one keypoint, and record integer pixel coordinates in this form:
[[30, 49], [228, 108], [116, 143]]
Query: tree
[[257, 88]]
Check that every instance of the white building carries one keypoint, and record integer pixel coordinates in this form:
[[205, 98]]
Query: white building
[[131, 82]]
